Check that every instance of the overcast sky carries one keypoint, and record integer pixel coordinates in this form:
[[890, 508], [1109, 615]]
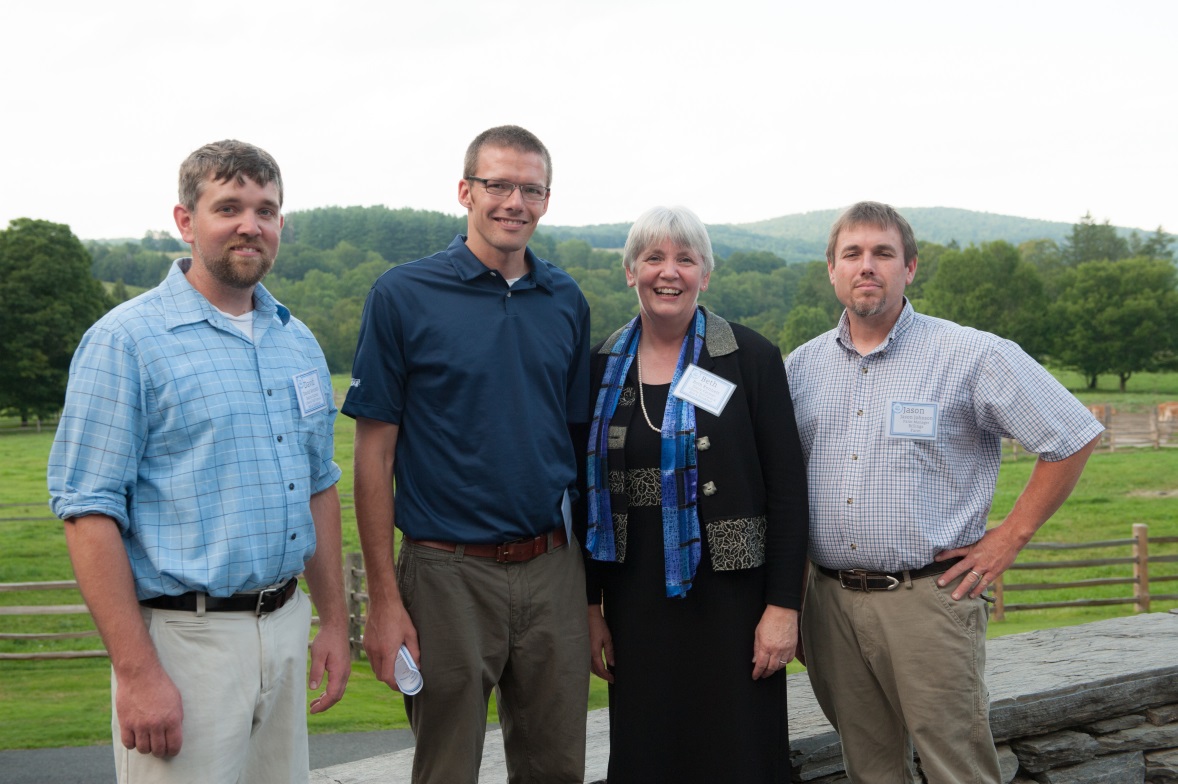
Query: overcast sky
[[740, 110]]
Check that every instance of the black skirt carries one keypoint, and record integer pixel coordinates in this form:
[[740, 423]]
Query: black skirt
[[684, 706]]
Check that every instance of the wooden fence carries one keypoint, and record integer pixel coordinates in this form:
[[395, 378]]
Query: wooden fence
[[353, 578], [357, 596], [1140, 578]]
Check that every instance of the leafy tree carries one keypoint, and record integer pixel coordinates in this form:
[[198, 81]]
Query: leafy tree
[[1156, 246], [753, 261], [1118, 317], [803, 323], [161, 240], [991, 288], [928, 258], [47, 300], [1092, 241], [811, 286], [1047, 259]]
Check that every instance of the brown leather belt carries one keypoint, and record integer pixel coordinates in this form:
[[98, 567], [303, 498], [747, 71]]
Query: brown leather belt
[[863, 580], [516, 551], [257, 602]]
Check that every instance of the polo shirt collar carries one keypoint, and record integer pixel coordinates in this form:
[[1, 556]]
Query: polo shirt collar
[[186, 305], [468, 266]]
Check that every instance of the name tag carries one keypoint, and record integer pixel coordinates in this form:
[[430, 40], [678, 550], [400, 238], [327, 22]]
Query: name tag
[[703, 389], [309, 392], [912, 420]]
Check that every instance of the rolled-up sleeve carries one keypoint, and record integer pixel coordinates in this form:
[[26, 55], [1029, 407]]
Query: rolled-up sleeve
[[100, 437]]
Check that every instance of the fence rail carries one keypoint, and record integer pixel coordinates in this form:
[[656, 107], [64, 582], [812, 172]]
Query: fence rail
[[1140, 578], [357, 596], [354, 582]]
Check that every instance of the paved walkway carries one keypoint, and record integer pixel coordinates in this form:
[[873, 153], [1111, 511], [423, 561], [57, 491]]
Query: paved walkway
[[95, 764]]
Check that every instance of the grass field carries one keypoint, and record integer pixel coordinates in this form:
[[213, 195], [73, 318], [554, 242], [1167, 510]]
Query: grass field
[[64, 703]]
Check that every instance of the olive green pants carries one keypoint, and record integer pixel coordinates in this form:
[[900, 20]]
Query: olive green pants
[[520, 629], [897, 669]]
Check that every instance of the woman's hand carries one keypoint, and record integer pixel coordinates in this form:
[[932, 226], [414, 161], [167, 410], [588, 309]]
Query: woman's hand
[[775, 642], [601, 645]]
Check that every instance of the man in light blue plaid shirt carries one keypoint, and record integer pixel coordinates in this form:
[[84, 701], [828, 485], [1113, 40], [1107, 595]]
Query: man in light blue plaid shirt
[[193, 468], [901, 418]]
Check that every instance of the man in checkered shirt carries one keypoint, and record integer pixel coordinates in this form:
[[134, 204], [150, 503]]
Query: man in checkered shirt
[[901, 418], [193, 467]]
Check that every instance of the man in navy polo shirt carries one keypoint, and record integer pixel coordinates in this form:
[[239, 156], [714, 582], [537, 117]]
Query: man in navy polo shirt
[[470, 378]]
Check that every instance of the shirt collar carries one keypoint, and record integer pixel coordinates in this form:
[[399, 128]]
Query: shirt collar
[[468, 266], [842, 334], [186, 305]]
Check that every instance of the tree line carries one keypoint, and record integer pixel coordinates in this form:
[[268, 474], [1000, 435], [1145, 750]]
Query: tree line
[[1097, 302]]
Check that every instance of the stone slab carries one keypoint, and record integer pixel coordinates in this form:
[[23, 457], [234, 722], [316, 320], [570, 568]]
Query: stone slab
[[1039, 682]]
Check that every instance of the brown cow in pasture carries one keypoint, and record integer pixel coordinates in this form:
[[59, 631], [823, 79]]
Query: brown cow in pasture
[[1168, 412]]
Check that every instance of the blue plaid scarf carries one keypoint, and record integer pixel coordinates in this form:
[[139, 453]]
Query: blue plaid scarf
[[677, 462]]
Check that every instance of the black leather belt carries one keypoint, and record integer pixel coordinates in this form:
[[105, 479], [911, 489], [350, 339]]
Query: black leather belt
[[257, 602], [863, 580]]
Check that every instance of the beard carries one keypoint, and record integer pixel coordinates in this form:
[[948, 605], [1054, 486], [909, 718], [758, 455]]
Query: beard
[[868, 307], [235, 274]]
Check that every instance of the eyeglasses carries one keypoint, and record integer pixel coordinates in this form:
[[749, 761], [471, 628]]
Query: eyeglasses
[[503, 188]]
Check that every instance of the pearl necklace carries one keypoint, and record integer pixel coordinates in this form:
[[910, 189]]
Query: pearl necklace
[[641, 397]]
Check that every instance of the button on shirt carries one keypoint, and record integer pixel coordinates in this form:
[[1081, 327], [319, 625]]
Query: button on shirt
[[191, 438], [892, 503]]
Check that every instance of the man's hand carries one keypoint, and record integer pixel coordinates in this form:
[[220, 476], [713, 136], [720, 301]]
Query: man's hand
[[329, 653], [982, 562], [601, 645], [388, 627], [776, 640], [148, 703], [151, 715]]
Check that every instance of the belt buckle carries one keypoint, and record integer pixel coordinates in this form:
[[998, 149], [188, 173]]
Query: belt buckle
[[508, 552], [262, 594], [504, 552], [853, 579], [856, 580]]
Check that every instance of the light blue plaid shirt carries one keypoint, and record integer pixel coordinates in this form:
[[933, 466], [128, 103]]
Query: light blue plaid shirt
[[192, 438], [891, 503]]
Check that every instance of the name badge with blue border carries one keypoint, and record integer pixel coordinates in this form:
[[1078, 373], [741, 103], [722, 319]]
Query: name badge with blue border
[[703, 389], [909, 419], [309, 391]]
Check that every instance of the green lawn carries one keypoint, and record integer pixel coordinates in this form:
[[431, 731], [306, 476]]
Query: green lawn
[[62, 703]]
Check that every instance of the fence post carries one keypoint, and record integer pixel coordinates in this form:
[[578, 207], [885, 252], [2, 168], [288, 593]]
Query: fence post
[[357, 597], [1141, 567], [999, 600]]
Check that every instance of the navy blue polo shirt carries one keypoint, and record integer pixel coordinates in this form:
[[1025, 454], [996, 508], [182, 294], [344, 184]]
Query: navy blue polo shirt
[[483, 381]]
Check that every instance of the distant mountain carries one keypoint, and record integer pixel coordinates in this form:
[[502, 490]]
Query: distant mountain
[[802, 236]]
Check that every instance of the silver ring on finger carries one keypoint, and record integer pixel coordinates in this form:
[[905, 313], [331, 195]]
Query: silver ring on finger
[[979, 575]]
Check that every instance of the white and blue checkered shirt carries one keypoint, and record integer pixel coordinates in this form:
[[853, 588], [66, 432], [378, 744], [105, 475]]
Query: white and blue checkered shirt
[[883, 500], [191, 437]]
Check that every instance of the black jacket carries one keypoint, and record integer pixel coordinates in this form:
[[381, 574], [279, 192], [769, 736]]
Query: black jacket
[[752, 476]]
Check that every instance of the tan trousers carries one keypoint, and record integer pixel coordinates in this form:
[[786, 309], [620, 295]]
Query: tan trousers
[[519, 629], [893, 669], [242, 679]]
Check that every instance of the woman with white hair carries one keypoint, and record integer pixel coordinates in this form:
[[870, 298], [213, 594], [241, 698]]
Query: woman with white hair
[[697, 526]]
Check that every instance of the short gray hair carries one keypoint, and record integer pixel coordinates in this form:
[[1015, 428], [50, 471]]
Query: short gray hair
[[677, 224]]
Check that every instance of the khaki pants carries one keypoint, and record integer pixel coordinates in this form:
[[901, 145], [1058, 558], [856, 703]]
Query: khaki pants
[[520, 629], [242, 680], [893, 669]]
